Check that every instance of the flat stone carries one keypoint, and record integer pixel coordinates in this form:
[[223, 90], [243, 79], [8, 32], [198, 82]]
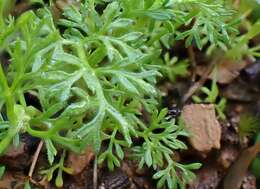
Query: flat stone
[[205, 131]]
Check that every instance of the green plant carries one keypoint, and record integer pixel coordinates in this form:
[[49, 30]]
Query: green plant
[[248, 125], [212, 22], [60, 168], [241, 47], [172, 67], [96, 77], [27, 185], [212, 95], [2, 171], [160, 141]]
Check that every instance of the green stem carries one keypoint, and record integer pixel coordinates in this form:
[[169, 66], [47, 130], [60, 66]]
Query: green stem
[[2, 24], [8, 97], [8, 139], [10, 112]]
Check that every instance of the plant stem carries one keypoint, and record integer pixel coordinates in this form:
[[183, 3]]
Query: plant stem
[[10, 112]]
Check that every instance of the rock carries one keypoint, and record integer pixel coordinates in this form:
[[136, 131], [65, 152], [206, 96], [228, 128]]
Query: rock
[[201, 122], [227, 70], [78, 162]]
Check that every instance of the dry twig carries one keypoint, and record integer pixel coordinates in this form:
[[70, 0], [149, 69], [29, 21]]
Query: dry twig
[[196, 86], [35, 158]]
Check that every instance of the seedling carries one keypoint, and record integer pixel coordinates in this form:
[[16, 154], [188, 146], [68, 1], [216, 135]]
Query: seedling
[[212, 95]]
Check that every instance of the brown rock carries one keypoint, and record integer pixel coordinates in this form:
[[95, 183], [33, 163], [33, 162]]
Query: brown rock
[[201, 122], [78, 162], [227, 70]]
